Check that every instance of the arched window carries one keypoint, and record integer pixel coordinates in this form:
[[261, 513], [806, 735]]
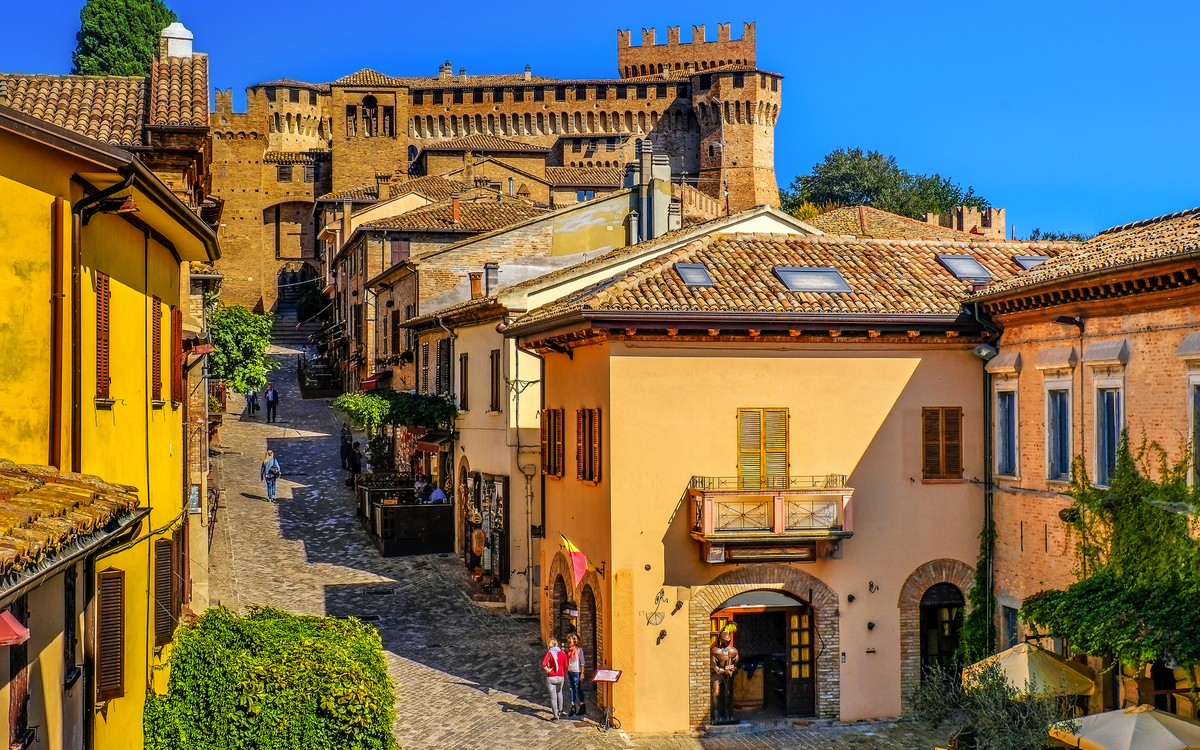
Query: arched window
[[637, 147], [370, 114], [941, 627], [412, 153]]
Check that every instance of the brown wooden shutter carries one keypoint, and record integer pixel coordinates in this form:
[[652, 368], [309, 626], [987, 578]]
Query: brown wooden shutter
[[579, 436], [178, 387], [750, 454], [164, 590], [110, 635], [395, 331], [183, 570], [775, 447], [595, 477], [559, 457], [952, 467], [547, 421], [103, 380], [462, 381], [155, 349], [931, 442], [497, 380]]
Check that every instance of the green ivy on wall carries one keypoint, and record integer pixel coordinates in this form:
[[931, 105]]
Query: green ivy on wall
[[370, 411], [273, 681], [1137, 564]]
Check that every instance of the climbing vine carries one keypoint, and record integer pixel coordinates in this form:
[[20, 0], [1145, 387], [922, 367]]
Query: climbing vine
[[1137, 563], [273, 681], [979, 631]]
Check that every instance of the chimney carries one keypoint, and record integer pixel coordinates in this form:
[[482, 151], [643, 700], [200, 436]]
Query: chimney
[[454, 210], [644, 177], [491, 278], [382, 181], [476, 284], [445, 71], [175, 41], [462, 74], [528, 73], [633, 228]]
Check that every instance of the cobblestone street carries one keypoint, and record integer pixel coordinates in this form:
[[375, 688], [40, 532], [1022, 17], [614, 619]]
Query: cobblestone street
[[466, 676]]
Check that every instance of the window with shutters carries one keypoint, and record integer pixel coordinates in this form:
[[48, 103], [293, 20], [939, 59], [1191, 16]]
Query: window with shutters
[[462, 381], [110, 634], [103, 301], [941, 442], [497, 382], [442, 373], [424, 367], [283, 172], [395, 331], [587, 445], [155, 349], [178, 386], [410, 340], [762, 448], [1058, 434], [400, 249], [164, 591], [552, 442]]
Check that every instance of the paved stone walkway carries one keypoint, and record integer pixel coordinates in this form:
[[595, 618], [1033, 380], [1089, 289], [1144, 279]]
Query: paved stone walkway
[[466, 676]]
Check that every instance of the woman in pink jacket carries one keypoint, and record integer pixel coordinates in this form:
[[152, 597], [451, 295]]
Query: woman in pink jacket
[[555, 664]]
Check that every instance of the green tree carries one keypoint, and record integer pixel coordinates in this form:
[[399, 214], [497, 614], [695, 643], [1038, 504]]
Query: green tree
[[853, 177], [1038, 235], [240, 339], [119, 37]]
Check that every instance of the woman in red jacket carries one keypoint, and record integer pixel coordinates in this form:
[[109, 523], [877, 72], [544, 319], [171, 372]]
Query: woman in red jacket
[[555, 664]]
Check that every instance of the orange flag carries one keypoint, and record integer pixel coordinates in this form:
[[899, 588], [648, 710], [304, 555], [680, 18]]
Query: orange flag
[[579, 563]]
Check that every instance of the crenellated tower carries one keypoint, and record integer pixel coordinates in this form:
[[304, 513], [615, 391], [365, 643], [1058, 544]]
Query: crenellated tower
[[736, 109], [651, 58]]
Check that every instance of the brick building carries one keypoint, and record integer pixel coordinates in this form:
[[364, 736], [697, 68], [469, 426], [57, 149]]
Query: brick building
[[703, 105], [1102, 338]]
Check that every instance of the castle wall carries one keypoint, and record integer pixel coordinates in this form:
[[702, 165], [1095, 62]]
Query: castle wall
[[737, 113], [699, 54], [364, 142]]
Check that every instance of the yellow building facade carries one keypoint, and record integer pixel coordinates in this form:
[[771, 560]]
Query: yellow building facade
[[95, 254], [782, 432]]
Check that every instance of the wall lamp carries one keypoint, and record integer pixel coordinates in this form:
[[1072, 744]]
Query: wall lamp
[[661, 634], [1067, 320]]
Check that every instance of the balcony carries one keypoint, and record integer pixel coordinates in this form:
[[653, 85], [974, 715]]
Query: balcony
[[778, 519]]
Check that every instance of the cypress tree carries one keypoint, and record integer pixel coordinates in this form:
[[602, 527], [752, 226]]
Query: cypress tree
[[119, 37]]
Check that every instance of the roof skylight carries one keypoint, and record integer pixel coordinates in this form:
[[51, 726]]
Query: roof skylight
[[827, 280], [966, 268], [693, 274], [1029, 261]]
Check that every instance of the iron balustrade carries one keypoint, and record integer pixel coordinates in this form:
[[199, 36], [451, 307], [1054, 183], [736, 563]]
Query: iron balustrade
[[729, 484]]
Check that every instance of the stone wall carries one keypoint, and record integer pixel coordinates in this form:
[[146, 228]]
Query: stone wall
[[650, 57]]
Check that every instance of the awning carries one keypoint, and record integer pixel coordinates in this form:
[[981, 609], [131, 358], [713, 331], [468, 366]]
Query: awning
[[433, 441], [371, 383], [1107, 353], [12, 632]]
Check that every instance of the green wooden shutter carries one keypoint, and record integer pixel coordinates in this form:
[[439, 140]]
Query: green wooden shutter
[[750, 454]]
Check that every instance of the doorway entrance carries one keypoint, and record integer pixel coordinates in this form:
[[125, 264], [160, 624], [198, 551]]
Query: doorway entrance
[[774, 636], [941, 628]]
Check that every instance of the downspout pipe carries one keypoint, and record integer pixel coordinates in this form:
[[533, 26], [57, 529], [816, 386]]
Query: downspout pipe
[[77, 314], [989, 461]]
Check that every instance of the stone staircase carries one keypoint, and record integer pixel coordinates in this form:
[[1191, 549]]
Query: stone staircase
[[284, 331]]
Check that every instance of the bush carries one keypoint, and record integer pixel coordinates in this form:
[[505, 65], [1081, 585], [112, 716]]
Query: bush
[[240, 339], [273, 681]]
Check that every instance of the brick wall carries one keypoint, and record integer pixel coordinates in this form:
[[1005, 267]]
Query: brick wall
[[699, 54]]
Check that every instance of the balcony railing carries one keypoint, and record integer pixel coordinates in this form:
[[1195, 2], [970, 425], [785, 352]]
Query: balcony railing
[[731, 484]]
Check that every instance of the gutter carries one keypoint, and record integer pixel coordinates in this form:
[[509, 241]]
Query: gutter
[[1086, 275]]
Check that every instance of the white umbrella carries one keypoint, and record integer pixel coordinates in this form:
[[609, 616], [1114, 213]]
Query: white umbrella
[[1028, 664], [1138, 728]]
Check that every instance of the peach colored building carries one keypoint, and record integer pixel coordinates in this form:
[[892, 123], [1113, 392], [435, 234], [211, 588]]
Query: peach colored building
[[1102, 338], [782, 431]]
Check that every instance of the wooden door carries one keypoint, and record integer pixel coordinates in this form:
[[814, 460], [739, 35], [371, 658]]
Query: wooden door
[[801, 670]]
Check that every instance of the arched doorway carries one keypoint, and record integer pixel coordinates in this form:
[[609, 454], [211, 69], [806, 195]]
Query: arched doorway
[[942, 607], [775, 640], [560, 625], [588, 629]]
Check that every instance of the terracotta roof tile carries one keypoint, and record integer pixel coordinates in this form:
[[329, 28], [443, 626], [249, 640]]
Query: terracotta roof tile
[[884, 225], [585, 176], [1160, 237], [484, 142], [479, 214], [44, 512], [293, 84], [433, 187], [179, 91], [885, 276], [367, 77], [110, 109]]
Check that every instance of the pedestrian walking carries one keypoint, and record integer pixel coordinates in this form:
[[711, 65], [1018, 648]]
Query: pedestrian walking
[[272, 399], [269, 473], [356, 461], [251, 404], [575, 667], [555, 664], [347, 445]]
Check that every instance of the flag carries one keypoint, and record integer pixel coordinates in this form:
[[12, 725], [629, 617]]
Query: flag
[[579, 561]]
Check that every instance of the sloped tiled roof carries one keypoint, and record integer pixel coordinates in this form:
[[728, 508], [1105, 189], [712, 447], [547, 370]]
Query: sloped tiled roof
[[110, 109], [585, 176], [293, 84], [1160, 237], [484, 142], [883, 224], [367, 77], [179, 91], [885, 276], [479, 215], [433, 187], [44, 513]]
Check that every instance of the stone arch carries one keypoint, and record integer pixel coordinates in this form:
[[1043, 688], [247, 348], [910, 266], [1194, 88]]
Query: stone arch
[[591, 628], [943, 570], [560, 567], [792, 580]]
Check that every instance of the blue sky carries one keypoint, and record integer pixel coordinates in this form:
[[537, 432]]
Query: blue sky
[[1071, 115]]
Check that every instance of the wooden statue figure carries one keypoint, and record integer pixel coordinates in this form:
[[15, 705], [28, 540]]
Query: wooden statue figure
[[723, 664]]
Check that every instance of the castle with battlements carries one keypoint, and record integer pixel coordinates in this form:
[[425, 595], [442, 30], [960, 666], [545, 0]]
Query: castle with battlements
[[703, 105]]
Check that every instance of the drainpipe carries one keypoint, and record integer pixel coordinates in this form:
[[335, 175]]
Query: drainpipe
[[989, 460], [77, 315]]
